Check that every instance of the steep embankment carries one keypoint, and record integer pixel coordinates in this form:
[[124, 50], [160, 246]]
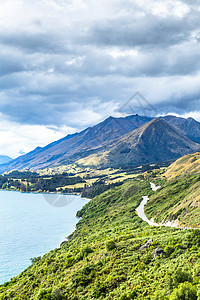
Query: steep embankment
[[103, 260], [179, 197]]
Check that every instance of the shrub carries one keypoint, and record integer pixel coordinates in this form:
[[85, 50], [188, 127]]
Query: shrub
[[129, 296], [57, 294], [99, 289], [168, 250], [110, 245], [185, 291], [44, 294], [179, 277], [198, 293], [35, 259], [196, 271], [147, 259], [80, 280], [86, 250], [194, 238]]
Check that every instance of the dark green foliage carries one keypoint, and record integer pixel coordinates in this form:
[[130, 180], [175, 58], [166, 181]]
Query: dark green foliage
[[110, 245], [185, 291], [169, 250], [30, 181], [98, 188], [194, 238], [178, 277], [129, 296], [35, 259]]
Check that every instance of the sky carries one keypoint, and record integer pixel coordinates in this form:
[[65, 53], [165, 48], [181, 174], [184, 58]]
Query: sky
[[66, 65]]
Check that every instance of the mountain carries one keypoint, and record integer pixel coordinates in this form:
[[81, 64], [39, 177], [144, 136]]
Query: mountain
[[78, 145], [99, 138], [4, 159], [189, 127], [155, 141]]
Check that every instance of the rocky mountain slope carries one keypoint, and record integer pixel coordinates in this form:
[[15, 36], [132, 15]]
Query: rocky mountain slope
[[93, 140], [155, 141], [77, 145]]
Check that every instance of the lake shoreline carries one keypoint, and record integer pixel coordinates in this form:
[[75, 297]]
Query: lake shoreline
[[28, 212]]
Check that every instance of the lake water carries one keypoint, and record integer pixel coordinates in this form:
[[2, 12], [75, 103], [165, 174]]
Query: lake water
[[31, 225]]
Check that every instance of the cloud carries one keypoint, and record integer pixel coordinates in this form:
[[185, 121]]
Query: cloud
[[73, 63], [17, 139]]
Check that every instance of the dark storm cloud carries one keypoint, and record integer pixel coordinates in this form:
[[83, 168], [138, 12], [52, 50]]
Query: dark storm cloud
[[67, 62]]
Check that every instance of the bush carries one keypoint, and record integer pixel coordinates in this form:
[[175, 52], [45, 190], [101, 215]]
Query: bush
[[147, 259], [44, 294], [194, 238], [57, 294], [198, 293], [110, 245], [80, 280], [35, 259], [129, 296], [179, 277], [168, 250], [185, 291], [86, 250]]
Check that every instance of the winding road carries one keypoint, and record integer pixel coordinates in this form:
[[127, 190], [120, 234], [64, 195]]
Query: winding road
[[140, 211]]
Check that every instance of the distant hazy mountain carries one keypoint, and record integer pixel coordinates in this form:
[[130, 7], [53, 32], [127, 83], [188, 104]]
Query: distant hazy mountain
[[189, 126], [103, 136], [4, 159]]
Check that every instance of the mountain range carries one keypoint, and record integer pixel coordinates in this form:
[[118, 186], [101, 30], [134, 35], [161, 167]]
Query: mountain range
[[117, 141], [4, 159]]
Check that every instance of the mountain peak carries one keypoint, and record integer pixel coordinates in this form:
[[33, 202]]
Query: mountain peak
[[160, 138]]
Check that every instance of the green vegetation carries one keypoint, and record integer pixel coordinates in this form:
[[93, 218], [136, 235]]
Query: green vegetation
[[70, 179], [27, 181], [177, 199], [102, 259]]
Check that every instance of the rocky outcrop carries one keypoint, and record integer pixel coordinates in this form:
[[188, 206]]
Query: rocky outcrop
[[147, 245], [157, 252]]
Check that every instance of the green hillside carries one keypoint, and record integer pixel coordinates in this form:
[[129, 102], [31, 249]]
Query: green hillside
[[179, 196], [102, 259]]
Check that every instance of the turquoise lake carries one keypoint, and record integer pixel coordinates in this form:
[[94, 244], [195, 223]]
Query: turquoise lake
[[31, 225]]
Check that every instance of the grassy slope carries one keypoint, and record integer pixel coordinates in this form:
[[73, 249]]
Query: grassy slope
[[83, 268], [186, 165], [179, 196], [178, 199]]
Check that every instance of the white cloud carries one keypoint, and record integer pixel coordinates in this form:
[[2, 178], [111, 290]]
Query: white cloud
[[72, 63], [16, 138]]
